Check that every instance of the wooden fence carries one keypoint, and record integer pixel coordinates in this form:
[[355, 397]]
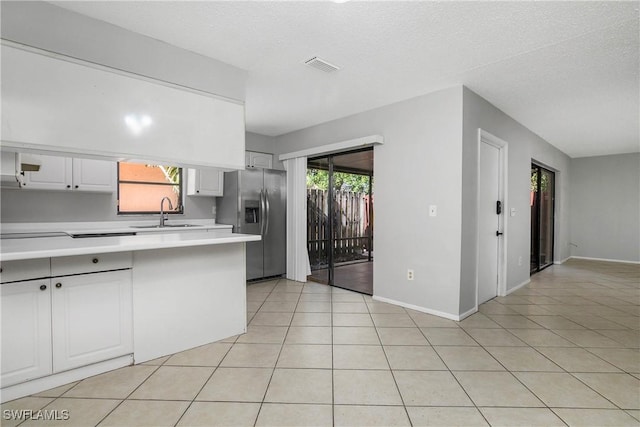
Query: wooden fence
[[351, 227]]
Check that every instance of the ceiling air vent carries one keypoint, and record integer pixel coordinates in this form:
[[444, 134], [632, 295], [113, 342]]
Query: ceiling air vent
[[321, 65]]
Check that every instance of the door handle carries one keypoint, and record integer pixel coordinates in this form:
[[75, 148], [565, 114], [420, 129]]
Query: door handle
[[499, 233], [267, 218], [262, 213]]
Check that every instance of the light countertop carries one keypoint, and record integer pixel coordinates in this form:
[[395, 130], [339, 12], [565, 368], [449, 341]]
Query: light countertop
[[9, 229], [46, 247]]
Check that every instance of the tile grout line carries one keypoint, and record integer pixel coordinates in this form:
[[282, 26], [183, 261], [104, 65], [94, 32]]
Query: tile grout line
[[127, 397], [264, 396], [451, 372], [203, 385], [276, 362], [333, 385], [563, 371], [395, 381]]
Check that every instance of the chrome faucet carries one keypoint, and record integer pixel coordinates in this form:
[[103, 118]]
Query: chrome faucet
[[163, 216]]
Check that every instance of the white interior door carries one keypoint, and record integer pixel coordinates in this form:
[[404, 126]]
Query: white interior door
[[488, 222]]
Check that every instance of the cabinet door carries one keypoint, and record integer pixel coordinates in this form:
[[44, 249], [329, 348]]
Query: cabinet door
[[26, 331], [205, 182], [261, 160], [92, 318], [55, 174], [94, 175], [11, 178]]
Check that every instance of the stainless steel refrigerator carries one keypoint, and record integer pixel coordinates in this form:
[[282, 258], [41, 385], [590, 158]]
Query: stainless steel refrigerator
[[254, 202]]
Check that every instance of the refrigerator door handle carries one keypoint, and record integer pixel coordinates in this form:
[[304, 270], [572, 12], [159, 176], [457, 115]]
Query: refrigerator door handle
[[266, 202], [262, 212]]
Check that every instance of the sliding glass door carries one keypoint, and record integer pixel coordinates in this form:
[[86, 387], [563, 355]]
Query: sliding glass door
[[339, 219], [542, 214]]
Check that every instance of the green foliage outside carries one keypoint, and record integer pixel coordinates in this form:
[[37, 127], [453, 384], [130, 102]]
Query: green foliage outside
[[319, 179], [171, 174], [544, 182]]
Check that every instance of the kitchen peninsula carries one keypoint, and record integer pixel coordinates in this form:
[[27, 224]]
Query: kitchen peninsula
[[76, 307]]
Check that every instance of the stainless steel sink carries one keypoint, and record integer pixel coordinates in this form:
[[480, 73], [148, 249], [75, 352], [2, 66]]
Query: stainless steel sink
[[166, 226]]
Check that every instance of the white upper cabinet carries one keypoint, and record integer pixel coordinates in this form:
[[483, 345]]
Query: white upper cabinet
[[55, 174], [205, 182], [255, 159], [63, 173], [9, 164], [94, 175], [56, 104]]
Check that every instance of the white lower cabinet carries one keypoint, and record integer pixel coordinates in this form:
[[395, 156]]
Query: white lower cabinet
[[91, 318], [26, 331], [55, 324]]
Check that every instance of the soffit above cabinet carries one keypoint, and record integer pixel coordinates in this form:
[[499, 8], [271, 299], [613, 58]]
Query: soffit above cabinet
[[56, 104]]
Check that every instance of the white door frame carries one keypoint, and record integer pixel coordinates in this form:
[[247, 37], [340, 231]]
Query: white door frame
[[485, 137], [297, 255]]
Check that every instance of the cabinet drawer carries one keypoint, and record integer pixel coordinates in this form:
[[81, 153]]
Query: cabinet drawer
[[63, 266], [13, 271]]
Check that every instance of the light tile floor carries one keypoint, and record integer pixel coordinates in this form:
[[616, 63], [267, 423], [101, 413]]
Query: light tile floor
[[563, 350]]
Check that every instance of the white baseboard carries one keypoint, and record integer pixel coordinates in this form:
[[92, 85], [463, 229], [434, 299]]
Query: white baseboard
[[420, 309], [515, 288], [562, 261], [56, 380], [622, 261], [468, 313]]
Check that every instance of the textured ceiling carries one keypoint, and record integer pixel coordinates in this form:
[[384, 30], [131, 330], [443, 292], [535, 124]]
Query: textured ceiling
[[569, 71]]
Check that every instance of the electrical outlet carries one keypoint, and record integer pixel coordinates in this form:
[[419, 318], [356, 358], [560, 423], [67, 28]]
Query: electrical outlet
[[519, 260], [409, 274]]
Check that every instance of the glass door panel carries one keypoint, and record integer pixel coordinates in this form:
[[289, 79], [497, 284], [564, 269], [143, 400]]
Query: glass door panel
[[339, 220], [546, 217], [318, 224], [542, 217]]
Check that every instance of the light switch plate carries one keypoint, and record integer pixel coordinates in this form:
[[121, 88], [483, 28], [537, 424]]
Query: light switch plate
[[513, 212], [433, 210]]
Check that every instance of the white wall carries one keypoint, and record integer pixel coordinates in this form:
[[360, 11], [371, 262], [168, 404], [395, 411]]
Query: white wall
[[605, 207], [524, 146], [430, 157], [49, 27], [418, 165]]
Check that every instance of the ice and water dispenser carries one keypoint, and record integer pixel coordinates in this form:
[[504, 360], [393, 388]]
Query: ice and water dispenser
[[252, 212]]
